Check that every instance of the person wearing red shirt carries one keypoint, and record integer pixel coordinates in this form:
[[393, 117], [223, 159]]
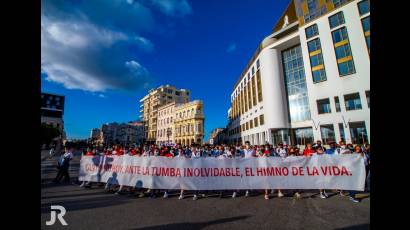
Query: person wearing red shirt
[[308, 151], [133, 152]]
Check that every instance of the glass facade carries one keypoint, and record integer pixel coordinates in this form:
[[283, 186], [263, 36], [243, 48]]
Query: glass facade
[[358, 132], [295, 82], [328, 133], [303, 136]]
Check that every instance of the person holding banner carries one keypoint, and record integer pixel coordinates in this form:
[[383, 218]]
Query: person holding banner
[[294, 152], [282, 152], [323, 194], [248, 153], [352, 194]]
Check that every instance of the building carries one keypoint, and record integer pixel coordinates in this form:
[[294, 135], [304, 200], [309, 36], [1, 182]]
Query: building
[[215, 137], [155, 99], [95, 133], [140, 131], [189, 123], [95, 136], [121, 133], [309, 79], [165, 124], [52, 112]]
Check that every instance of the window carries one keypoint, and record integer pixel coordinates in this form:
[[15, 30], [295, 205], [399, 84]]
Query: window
[[336, 20], [253, 71], [342, 132], [303, 136], [346, 68], [338, 3], [261, 119], [259, 85], [352, 101], [343, 52], [319, 75], [323, 106], [316, 61], [314, 45], [364, 7], [255, 121], [337, 104], [328, 133], [251, 124], [366, 30], [253, 84], [311, 31], [368, 98], [311, 4], [358, 132], [247, 125], [295, 82], [257, 64], [339, 35]]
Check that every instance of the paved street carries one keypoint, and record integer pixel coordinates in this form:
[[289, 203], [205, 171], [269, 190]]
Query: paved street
[[96, 209]]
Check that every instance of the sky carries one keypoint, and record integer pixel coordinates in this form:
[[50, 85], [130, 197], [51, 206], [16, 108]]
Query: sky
[[104, 55]]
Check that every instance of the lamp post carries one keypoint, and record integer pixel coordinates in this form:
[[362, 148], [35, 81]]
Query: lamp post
[[169, 132]]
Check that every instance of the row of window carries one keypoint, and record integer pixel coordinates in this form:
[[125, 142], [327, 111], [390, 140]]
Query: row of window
[[248, 125], [352, 102], [188, 113], [340, 41], [188, 129], [165, 112], [245, 80], [165, 121], [249, 97]]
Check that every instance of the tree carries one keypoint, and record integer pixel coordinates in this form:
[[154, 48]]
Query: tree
[[48, 133]]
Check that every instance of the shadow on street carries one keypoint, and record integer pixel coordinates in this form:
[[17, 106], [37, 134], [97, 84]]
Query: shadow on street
[[187, 225]]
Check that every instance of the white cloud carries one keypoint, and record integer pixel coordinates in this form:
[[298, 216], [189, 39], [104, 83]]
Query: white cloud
[[231, 48], [81, 55]]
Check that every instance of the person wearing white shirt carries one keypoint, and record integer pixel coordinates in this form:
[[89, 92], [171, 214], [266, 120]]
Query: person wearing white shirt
[[64, 165], [248, 152]]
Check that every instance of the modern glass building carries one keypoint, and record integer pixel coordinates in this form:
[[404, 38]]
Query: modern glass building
[[309, 79]]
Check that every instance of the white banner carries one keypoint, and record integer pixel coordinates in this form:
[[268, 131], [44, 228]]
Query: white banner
[[346, 172]]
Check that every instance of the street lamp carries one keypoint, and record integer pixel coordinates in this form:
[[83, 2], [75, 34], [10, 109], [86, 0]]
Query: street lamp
[[169, 132]]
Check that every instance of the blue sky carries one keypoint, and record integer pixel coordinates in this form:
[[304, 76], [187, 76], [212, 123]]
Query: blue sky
[[104, 55]]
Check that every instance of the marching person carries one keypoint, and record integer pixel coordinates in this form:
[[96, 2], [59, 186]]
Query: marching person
[[282, 153], [294, 152], [322, 192], [64, 165], [248, 153], [352, 194]]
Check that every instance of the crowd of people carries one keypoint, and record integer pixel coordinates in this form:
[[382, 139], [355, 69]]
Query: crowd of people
[[223, 151]]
